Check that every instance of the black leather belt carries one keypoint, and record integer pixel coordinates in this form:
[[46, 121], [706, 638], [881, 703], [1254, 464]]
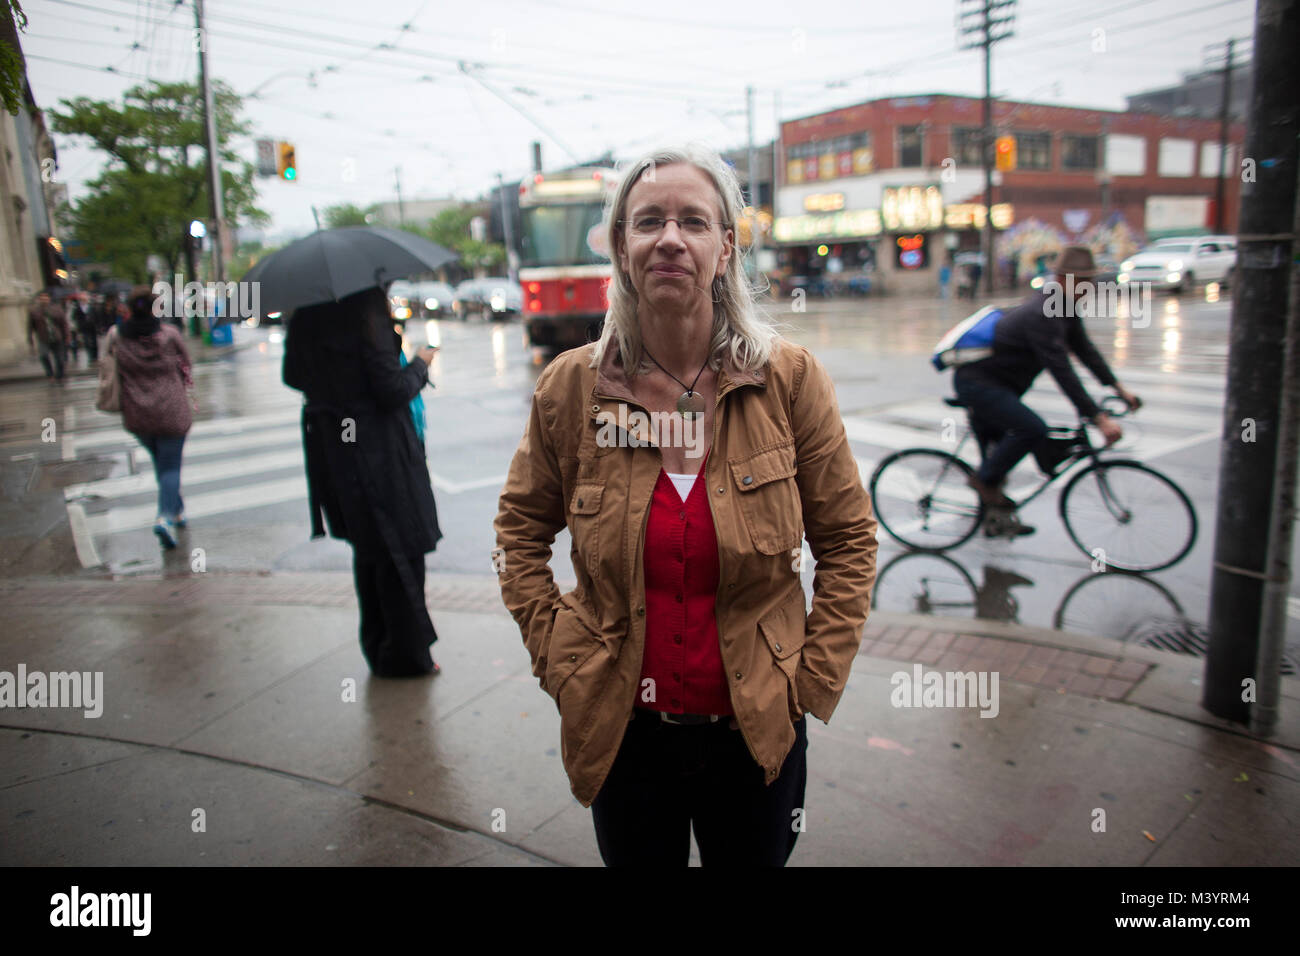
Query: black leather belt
[[680, 720]]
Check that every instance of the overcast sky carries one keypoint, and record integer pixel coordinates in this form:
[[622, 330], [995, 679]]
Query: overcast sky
[[364, 88]]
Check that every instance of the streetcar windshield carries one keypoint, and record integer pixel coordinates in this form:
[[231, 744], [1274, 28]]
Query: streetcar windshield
[[559, 235]]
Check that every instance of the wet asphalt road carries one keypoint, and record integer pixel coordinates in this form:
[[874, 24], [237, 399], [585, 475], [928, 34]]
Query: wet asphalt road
[[86, 498]]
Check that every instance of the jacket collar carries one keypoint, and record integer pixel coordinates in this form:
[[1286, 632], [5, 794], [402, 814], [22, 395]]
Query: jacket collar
[[612, 379]]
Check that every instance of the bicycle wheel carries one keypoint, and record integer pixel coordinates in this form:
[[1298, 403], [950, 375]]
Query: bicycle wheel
[[919, 582], [921, 498], [1129, 516]]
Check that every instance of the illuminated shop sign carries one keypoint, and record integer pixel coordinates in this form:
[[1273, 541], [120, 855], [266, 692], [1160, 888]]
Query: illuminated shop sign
[[913, 251], [824, 202], [838, 225], [967, 215], [911, 207]]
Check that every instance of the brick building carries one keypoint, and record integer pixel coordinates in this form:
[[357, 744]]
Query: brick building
[[895, 186]]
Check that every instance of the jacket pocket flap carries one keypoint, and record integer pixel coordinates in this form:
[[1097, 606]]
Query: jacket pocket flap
[[586, 499], [762, 467], [783, 629]]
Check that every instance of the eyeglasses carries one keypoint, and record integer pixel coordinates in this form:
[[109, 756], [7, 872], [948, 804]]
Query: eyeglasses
[[649, 226]]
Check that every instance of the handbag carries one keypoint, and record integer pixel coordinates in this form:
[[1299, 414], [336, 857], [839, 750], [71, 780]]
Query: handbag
[[109, 396]]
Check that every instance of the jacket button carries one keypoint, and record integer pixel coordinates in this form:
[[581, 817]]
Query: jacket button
[[640, 612], [595, 408], [738, 675], [778, 647], [679, 599], [572, 658], [579, 502], [722, 491], [747, 480]]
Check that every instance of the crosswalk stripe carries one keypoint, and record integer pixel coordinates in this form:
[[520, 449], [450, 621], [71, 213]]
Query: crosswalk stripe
[[143, 481], [202, 505]]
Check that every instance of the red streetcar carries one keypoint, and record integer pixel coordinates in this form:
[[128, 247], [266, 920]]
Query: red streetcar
[[564, 263]]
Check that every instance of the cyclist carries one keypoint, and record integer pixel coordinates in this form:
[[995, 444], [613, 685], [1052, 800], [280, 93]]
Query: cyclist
[[1038, 334]]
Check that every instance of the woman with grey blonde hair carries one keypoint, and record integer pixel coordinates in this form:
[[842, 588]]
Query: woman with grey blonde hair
[[688, 452], [738, 330]]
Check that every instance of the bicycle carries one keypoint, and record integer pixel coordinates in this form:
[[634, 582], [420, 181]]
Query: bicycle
[[1118, 511]]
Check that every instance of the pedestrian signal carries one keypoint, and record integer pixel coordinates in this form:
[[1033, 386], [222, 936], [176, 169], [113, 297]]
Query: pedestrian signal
[[1005, 151], [287, 166]]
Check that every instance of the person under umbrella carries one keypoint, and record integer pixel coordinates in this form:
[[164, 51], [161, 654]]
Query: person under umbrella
[[366, 470]]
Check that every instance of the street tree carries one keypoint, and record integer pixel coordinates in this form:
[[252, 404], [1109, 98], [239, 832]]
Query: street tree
[[451, 229], [155, 180], [346, 214]]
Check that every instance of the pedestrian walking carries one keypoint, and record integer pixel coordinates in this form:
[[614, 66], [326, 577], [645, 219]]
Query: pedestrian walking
[[366, 471], [683, 663], [48, 333], [945, 278], [84, 322], [153, 368]]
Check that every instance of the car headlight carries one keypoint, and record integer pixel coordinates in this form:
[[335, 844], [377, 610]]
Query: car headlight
[[1175, 266], [430, 303], [1126, 265]]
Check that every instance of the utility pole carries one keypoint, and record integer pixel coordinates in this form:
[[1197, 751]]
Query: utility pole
[[990, 20], [755, 237], [401, 210], [1256, 502], [218, 232], [1220, 193], [507, 228]]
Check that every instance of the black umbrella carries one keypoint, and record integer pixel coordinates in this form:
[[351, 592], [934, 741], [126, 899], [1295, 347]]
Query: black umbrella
[[333, 263]]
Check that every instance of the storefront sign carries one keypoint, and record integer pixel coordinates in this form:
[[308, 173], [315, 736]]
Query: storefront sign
[[913, 251], [965, 215], [824, 202], [911, 207], [850, 224]]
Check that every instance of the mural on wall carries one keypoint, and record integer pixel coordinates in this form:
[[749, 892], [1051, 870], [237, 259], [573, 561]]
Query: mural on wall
[[1032, 243], [1113, 239]]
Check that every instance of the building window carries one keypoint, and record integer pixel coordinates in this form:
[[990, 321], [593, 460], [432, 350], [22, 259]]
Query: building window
[[1033, 150], [910, 152], [966, 146], [1177, 157], [1078, 152]]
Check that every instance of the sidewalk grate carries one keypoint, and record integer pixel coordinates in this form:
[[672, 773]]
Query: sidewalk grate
[[1192, 640]]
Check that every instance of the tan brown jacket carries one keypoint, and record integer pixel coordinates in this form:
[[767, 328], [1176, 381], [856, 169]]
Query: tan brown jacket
[[779, 468]]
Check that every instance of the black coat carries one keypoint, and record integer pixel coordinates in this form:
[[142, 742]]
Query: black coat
[[365, 467]]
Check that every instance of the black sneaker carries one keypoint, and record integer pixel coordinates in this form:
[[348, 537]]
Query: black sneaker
[[1004, 524]]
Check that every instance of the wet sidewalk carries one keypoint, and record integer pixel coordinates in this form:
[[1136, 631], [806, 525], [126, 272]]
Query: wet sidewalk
[[239, 726]]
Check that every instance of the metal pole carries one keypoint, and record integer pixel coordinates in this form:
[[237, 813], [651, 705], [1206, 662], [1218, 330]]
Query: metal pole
[[988, 149], [401, 210], [214, 158], [1220, 191], [1272, 623], [507, 227], [1252, 436]]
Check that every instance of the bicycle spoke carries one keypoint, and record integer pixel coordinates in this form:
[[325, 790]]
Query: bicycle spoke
[[1129, 516]]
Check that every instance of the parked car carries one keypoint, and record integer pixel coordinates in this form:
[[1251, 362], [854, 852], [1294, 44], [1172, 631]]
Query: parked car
[[1179, 263], [434, 299], [494, 297]]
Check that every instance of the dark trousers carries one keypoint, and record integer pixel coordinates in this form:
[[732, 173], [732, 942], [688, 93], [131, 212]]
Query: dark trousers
[[396, 630], [52, 360], [1005, 427], [668, 779]]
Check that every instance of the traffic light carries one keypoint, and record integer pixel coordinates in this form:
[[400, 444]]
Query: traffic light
[[1004, 152], [286, 166]]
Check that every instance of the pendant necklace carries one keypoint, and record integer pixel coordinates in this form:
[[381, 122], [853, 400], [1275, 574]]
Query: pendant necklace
[[691, 402]]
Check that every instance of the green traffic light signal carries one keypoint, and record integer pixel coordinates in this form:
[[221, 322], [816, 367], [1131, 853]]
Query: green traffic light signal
[[290, 173]]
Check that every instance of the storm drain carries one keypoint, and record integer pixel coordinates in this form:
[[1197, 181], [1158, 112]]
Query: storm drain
[[1191, 639]]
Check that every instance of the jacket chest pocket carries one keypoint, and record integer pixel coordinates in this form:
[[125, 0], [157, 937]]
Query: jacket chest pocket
[[769, 498], [584, 523]]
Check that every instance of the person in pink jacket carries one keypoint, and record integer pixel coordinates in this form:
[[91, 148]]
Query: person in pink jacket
[[154, 372]]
